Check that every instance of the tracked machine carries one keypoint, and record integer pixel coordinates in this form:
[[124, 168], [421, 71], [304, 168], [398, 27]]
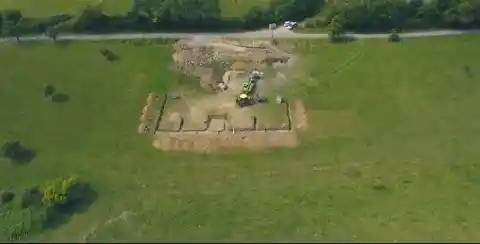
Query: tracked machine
[[248, 96]]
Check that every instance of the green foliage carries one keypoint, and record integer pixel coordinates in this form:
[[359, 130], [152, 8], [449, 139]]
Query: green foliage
[[52, 32], [17, 224], [336, 28], [386, 15], [394, 37], [40, 207], [60, 192], [31, 197], [6, 197], [48, 90]]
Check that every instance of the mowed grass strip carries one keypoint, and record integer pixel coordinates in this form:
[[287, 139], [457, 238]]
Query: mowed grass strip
[[391, 153]]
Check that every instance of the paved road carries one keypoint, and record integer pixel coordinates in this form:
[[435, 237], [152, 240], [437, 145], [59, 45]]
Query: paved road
[[280, 33]]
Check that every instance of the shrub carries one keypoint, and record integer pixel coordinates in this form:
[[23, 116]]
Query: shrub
[[64, 194], [31, 197], [394, 37], [109, 55], [17, 224], [48, 90], [6, 197]]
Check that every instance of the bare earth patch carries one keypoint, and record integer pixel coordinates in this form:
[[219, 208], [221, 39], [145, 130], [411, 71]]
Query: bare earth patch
[[300, 116], [222, 66], [213, 142]]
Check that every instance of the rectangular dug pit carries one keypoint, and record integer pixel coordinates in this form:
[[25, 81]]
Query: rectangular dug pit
[[240, 123], [271, 116], [217, 125]]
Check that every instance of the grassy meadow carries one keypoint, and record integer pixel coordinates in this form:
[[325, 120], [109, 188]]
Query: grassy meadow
[[391, 152], [44, 8]]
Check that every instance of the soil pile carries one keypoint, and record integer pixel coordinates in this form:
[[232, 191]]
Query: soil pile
[[211, 60]]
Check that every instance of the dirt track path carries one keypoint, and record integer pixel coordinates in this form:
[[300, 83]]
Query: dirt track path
[[280, 33]]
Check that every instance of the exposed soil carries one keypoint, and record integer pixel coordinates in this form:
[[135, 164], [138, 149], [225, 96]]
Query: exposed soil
[[220, 64], [300, 116], [213, 142]]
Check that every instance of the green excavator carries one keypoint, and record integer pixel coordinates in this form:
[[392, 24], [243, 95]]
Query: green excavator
[[247, 97]]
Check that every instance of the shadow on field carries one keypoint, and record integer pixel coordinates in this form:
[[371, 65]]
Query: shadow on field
[[344, 39], [468, 71], [63, 214], [60, 98], [109, 55], [63, 43], [25, 156], [18, 154]]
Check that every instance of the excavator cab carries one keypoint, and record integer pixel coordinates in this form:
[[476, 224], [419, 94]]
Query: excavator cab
[[243, 100]]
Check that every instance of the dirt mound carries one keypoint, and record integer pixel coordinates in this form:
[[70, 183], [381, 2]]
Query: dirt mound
[[194, 61], [147, 117], [209, 61], [300, 116], [213, 142]]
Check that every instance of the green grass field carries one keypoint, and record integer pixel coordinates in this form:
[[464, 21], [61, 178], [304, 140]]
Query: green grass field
[[44, 8], [391, 153]]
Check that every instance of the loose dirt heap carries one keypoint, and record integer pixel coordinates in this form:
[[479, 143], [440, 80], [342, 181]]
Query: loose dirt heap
[[211, 142], [300, 116], [210, 61]]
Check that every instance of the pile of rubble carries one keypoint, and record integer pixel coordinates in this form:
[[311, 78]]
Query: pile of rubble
[[199, 60], [194, 61]]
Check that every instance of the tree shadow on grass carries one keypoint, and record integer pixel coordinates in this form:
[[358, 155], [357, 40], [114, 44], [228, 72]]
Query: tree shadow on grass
[[61, 215], [63, 43], [109, 55], [60, 98], [19, 154], [343, 39], [25, 156], [468, 71]]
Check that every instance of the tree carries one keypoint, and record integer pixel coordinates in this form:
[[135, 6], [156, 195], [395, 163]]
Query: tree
[[48, 90], [20, 28], [7, 27], [31, 197], [394, 37], [6, 197], [52, 32], [466, 12], [62, 192], [92, 18], [336, 28], [254, 17]]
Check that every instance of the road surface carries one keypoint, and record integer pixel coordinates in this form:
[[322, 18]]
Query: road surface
[[280, 33]]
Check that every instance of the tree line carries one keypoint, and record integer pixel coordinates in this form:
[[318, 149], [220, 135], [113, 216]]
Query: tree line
[[385, 15], [158, 15]]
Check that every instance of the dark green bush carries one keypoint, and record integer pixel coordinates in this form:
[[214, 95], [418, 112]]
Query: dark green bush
[[48, 90], [394, 37], [31, 197], [6, 197]]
